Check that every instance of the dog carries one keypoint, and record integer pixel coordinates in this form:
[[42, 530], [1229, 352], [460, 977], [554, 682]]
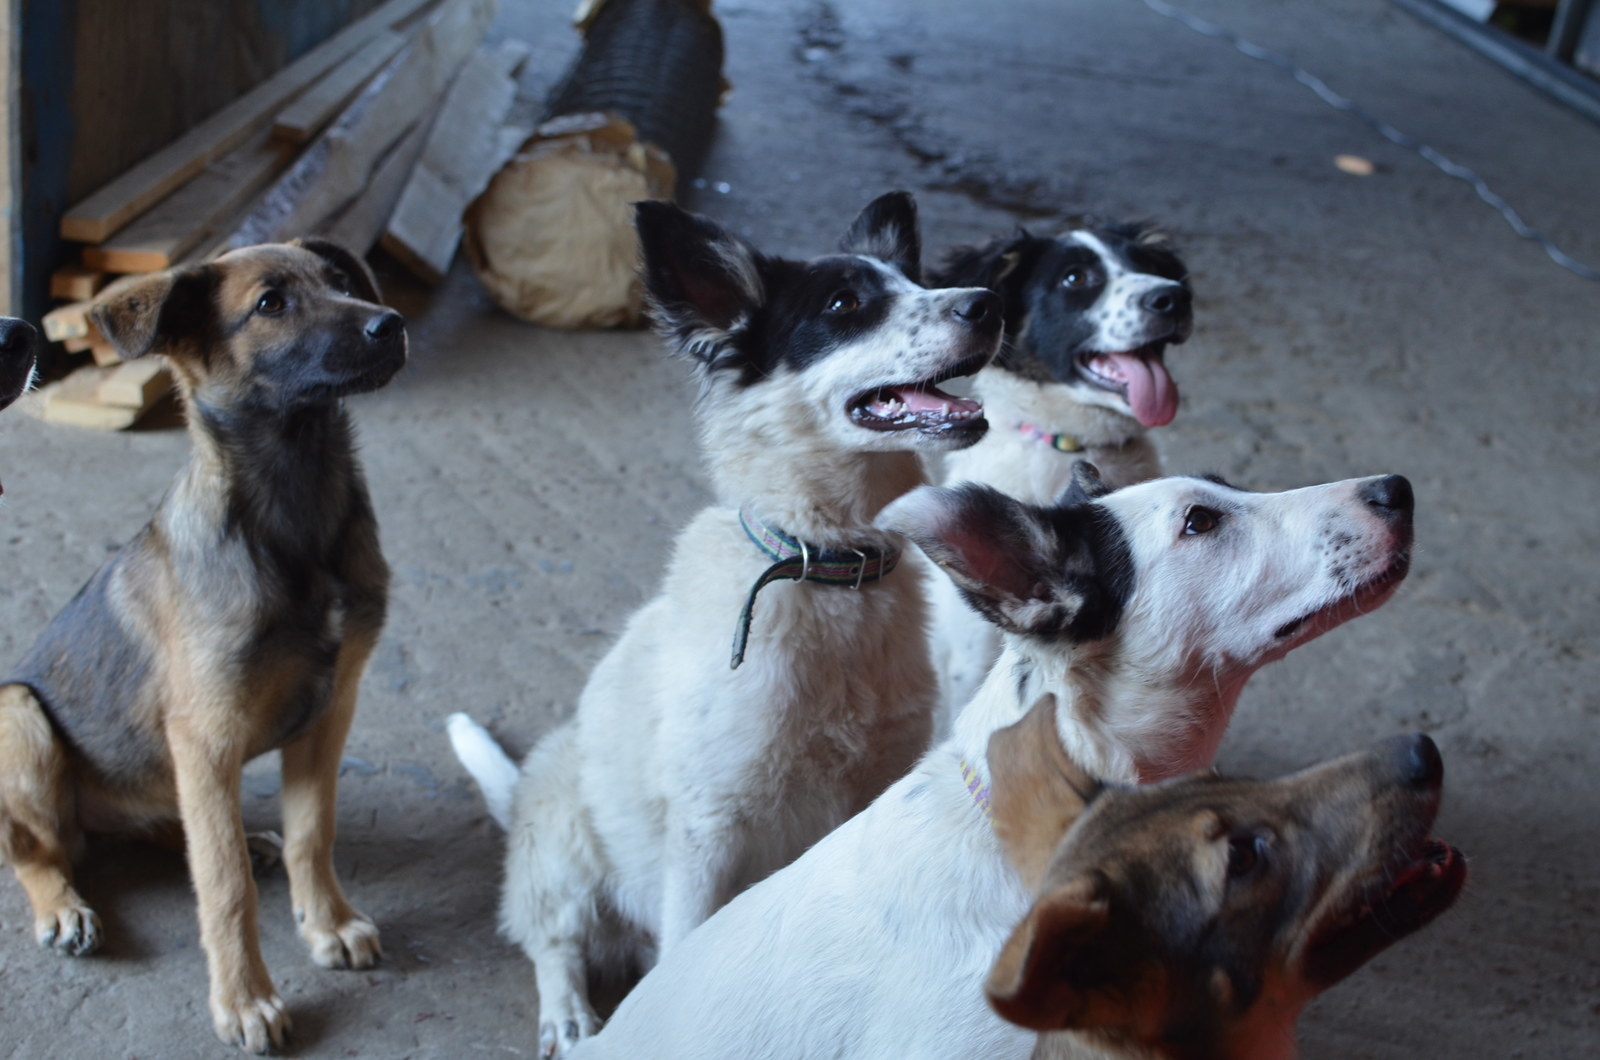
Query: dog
[[19, 344], [1081, 375], [1141, 612], [238, 621], [1194, 919], [680, 781], [19, 347]]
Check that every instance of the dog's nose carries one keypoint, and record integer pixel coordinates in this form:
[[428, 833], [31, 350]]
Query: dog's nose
[[1418, 758], [1167, 301], [16, 336], [384, 326], [1391, 495], [978, 309]]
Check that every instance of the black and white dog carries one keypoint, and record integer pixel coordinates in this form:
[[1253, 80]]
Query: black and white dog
[[679, 781], [1089, 315], [18, 353], [19, 344]]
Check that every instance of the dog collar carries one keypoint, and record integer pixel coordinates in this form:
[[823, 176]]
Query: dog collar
[[976, 788], [1065, 443], [798, 561], [1061, 443]]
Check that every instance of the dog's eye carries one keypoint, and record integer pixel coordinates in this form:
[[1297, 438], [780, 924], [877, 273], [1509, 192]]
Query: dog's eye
[[1078, 277], [1200, 520], [271, 303], [1244, 854], [843, 302]]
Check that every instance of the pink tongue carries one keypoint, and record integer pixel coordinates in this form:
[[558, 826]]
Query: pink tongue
[[931, 400], [1152, 394]]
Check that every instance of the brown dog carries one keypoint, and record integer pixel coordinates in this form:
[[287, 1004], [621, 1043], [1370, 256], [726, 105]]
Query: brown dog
[[237, 621], [1194, 919]]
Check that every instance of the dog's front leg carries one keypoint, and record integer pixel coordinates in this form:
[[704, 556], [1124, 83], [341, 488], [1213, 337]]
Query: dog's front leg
[[338, 935], [207, 762], [699, 856]]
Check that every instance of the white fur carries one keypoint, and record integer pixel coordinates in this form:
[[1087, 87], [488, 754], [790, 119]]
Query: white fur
[[876, 943], [679, 782]]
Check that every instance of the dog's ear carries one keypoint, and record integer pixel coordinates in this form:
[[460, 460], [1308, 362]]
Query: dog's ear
[[887, 230], [1032, 798], [1049, 572], [703, 282], [1066, 966], [990, 265], [1085, 486], [162, 312], [361, 283], [1048, 974]]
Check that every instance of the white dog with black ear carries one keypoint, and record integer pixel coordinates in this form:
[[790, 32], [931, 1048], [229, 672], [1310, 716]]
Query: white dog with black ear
[[736, 721], [1142, 612]]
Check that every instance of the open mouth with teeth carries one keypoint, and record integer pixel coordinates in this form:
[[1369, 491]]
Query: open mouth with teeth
[[1140, 376], [921, 406], [1368, 596], [1409, 897]]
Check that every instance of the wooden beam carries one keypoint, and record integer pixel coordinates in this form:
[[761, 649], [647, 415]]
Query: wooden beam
[[360, 224], [136, 384], [95, 219], [321, 103], [182, 221], [75, 283], [70, 321], [330, 175], [72, 401], [461, 154]]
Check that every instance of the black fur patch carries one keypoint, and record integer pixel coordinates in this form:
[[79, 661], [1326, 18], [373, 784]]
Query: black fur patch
[[1064, 571], [733, 308]]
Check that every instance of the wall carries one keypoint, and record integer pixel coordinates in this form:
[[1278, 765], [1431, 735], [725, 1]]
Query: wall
[[105, 83]]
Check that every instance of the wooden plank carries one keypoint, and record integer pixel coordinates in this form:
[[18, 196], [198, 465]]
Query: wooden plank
[[332, 172], [100, 348], [72, 401], [136, 384], [67, 322], [321, 103], [75, 283], [181, 221], [359, 226], [462, 153], [77, 345], [95, 219]]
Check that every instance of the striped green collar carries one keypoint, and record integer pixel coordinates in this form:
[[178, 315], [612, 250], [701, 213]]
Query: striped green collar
[[797, 561]]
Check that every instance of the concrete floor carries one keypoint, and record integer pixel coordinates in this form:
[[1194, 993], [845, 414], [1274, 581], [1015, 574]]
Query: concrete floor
[[1346, 326]]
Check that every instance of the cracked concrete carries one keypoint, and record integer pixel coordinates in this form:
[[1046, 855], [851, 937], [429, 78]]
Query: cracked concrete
[[528, 481]]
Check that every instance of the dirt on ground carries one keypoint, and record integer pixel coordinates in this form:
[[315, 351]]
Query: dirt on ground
[[528, 483]]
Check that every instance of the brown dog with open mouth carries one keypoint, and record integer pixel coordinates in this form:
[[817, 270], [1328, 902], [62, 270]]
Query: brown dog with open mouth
[[238, 621], [1194, 919]]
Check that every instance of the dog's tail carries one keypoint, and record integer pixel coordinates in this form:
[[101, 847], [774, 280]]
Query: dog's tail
[[488, 763]]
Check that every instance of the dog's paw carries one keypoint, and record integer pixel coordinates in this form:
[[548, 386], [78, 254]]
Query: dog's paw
[[72, 930], [258, 1024], [352, 944], [266, 852], [564, 1027]]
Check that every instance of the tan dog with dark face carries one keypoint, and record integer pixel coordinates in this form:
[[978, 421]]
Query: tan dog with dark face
[[1194, 919], [238, 621]]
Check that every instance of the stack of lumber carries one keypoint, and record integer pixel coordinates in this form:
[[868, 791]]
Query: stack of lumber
[[384, 131]]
